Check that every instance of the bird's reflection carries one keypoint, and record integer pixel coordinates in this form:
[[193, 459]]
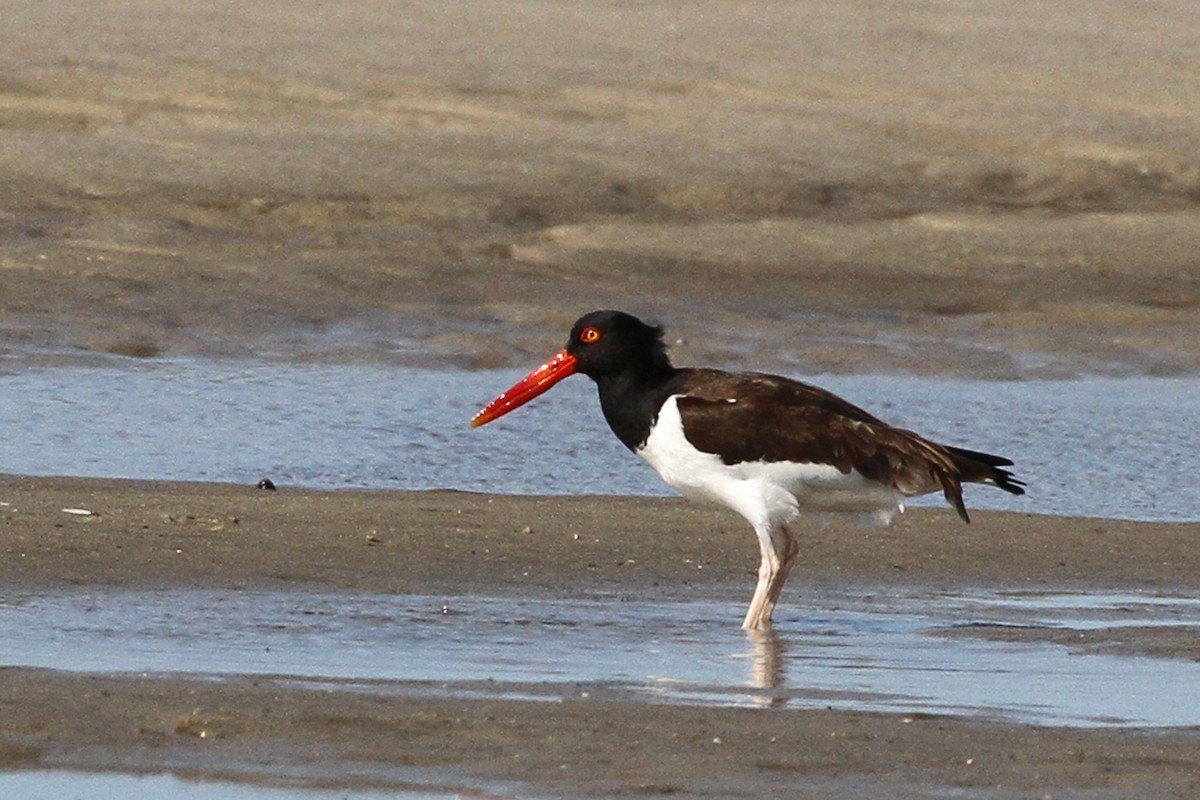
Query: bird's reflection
[[768, 660]]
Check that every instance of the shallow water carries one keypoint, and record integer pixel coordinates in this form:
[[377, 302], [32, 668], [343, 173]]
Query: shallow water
[[66, 784], [874, 653], [1101, 447]]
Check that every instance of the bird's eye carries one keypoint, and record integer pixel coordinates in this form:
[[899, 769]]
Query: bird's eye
[[589, 335]]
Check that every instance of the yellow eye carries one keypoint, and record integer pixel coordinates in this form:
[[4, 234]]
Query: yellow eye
[[589, 335]]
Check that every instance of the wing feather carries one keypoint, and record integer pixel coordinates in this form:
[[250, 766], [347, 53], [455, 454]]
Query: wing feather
[[750, 417]]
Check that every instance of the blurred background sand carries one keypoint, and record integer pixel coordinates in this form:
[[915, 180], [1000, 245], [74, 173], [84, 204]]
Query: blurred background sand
[[978, 188]]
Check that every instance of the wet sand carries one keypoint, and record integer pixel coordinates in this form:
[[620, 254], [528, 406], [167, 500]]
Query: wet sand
[[445, 543]]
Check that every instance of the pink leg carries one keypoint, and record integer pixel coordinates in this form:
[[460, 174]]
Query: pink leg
[[788, 548], [757, 616]]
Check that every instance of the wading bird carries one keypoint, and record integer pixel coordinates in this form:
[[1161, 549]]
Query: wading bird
[[768, 447]]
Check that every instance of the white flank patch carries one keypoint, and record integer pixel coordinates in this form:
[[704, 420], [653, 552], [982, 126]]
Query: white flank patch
[[765, 493]]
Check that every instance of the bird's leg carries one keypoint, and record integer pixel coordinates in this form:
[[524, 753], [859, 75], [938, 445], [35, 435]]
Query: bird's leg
[[757, 617], [787, 546]]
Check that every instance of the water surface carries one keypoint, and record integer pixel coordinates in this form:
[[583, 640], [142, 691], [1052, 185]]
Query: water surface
[[68, 784], [871, 653], [1104, 447]]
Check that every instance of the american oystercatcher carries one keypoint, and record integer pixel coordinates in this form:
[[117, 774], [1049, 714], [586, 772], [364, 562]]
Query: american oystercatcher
[[768, 447]]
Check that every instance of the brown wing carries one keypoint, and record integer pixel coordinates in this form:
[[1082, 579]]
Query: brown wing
[[711, 384], [752, 417]]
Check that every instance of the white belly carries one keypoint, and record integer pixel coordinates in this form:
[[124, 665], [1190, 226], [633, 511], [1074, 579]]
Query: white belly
[[762, 492]]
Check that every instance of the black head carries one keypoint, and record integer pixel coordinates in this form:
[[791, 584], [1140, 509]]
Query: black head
[[609, 343], [619, 352]]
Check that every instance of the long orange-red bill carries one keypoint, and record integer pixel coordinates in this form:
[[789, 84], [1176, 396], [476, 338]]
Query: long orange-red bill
[[559, 366]]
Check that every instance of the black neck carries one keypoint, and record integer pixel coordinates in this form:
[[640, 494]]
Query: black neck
[[631, 399]]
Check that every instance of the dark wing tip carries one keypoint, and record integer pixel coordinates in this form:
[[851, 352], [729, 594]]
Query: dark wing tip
[[982, 458], [979, 467], [952, 489], [1005, 480]]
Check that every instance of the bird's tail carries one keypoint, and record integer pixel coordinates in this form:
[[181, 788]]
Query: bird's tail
[[973, 467], [986, 468]]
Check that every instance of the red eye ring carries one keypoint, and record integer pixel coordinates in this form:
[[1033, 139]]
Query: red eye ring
[[590, 335]]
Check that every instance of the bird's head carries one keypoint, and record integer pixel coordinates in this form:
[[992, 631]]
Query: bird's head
[[602, 344]]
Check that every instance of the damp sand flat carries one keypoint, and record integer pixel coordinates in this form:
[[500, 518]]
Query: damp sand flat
[[637, 558], [876, 653]]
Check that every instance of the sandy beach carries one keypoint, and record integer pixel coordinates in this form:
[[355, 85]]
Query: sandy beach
[[974, 190], [819, 186], [151, 536]]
